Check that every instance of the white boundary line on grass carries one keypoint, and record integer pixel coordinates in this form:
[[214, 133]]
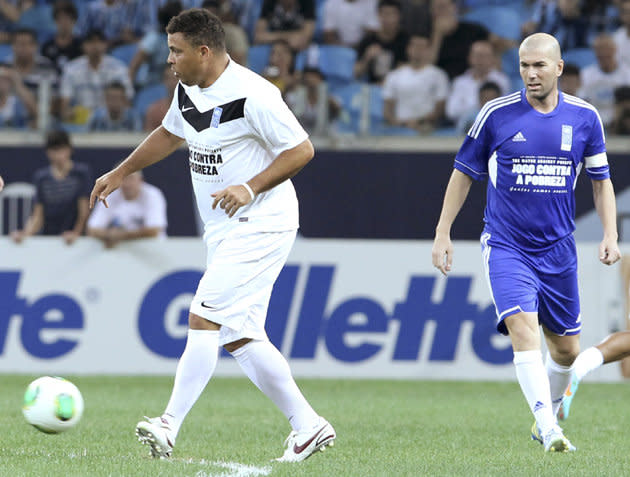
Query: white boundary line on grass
[[236, 469]]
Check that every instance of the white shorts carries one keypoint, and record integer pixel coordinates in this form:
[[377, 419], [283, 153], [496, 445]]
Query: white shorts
[[234, 291]]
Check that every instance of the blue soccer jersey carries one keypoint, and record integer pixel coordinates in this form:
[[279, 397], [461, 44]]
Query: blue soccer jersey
[[532, 161]]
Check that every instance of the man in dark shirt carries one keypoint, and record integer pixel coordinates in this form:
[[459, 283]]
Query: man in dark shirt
[[62, 191], [64, 46], [289, 20], [380, 52]]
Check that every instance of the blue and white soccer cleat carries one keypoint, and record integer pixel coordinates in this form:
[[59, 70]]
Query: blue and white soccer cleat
[[569, 394]]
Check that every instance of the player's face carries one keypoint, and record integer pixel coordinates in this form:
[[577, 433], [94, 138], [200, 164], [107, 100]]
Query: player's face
[[539, 72], [185, 59]]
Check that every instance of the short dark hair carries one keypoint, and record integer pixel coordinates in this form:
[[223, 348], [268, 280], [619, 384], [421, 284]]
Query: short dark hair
[[67, 7], [199, 27], [24, 31], [622, 93], [57, 138], [94, 34], [389, 3], [571, 69], [490, 85], [170, 9]]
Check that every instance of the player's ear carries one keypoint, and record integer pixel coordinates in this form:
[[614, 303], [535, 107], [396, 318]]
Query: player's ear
[[560, 68], [204, 51]]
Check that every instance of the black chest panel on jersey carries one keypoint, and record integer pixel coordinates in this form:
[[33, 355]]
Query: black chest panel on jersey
[[200, 121]]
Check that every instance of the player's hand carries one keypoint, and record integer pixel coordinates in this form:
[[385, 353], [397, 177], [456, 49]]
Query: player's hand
[[609, 252], [442, 254], [105, 185], [231, 199], [69, 236], [18, 236]]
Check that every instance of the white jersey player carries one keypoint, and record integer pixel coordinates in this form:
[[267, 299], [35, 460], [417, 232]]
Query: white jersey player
[[244, 145]]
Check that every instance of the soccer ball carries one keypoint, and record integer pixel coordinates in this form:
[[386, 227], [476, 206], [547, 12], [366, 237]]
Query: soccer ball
[[52, 404]]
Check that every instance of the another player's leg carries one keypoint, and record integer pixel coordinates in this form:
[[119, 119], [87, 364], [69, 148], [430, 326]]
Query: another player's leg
[[269, 371], [194, 370]]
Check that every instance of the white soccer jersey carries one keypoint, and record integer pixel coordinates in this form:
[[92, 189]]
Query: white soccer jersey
[[234, 129]]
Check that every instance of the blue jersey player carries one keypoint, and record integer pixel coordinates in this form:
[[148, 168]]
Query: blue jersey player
[[531, 147]]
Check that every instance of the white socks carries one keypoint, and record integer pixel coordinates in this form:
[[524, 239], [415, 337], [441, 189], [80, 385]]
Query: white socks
[[194, 370], [559, 379], [265, 366], [532, 376], [588, 360]]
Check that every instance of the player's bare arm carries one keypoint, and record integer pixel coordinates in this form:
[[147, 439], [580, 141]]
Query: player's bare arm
[[157, 145], [285, 166], [456, 193], [604, 198]]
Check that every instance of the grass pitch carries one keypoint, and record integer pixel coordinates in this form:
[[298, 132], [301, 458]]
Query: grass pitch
[[385, 428]]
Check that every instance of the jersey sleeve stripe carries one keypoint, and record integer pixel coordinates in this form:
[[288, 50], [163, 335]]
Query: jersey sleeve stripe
[[488, 109], [598, 160], [470, 168]]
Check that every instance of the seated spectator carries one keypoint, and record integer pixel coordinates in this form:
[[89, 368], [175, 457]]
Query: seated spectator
[[157, 110], [17, 103], [600, 80], [120, 21], [315, 112], [621, 121], [603, 15], [380, 52], [116, 116], [451, 38], [465, 91], [290, 20], [236, 41], [281, 68], [563, 19], [416, 92], [622, 35], [570, 79], [345, 22], [62, 194], [136, 210], [33, 68], [64, 46], [153, 48], [487, 91], [83, 82]]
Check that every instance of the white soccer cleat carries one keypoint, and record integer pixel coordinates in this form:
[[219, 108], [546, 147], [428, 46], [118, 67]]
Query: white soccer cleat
[[302, 445], [155, 432], [554, 441]]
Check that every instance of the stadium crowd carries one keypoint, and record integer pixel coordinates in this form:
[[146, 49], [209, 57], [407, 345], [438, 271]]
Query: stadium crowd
[[410, 66]]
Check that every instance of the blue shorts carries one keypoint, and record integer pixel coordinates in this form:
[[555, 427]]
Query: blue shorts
[[544, 283]]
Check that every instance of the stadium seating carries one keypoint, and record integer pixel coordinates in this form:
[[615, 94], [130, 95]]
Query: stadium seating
[[352, 97], [146, 96], [580, 57], [16, 203], [258, 58], [337, 64], [502, 21], [5, 53], [125, 52]]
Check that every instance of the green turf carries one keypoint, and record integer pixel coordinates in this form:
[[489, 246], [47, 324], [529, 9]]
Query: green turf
[[385, 428]]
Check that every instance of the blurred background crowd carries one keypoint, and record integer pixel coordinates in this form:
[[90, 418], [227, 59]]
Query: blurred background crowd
[[359, 67]]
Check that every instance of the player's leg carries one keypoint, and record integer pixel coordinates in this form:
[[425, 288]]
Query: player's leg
[[194, 370], [560, 364], [625, 283]]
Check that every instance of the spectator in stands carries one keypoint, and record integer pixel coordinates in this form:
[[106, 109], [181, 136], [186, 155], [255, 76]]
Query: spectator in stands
[[136, 210], [603, 15], [156, 110], [62, 192], [84, 79], [281, 68], [621, 121], [465, 91], [153, 48], [315, 112], [600, 80], [236, 41], [64, 46], [32, 67], [415, 93], [380, 52], [570, 79], [121, 21], [290, 20], [563, 19], [416, 16], [451, 38], [25, 14], [487, 91], [116, 115], [17, 103], [345, 22], [622, 35]]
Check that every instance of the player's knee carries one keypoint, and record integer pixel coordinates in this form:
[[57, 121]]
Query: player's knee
[[234, 345], [565, 356], [198, 323]]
